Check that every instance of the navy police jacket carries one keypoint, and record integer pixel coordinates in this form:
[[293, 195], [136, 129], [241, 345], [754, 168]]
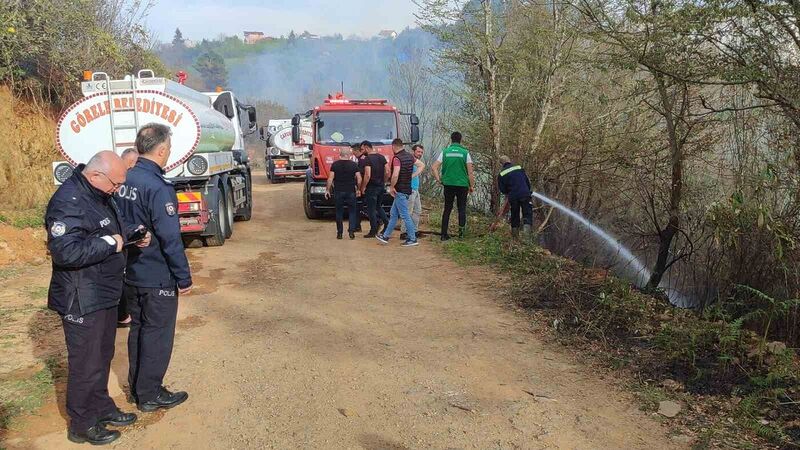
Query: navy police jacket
[[87, 269], [513, 182], [148, 198]]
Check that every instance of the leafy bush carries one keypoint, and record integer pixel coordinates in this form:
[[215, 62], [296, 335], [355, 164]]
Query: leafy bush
[[45, 45]]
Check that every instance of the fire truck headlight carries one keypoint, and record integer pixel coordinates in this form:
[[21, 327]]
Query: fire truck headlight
[[62, 172], [197, 165], [274, 151], [318, 189]]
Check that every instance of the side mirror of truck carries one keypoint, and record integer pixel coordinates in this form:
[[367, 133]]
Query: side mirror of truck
[[251, 116], [414, 133], [414, 119], [296, 120]]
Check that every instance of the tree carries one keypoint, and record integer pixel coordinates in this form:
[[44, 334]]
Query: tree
[[473, 35], [178, 40], [292, 37], [212, 68], [644, 42]]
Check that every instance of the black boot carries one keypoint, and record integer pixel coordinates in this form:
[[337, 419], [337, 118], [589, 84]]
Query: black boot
[[118, 419], [96, 435], [165, 400]]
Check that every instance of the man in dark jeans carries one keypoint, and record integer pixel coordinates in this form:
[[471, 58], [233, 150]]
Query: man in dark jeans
[[343, 181], [513, 182], [376, 172], [360, 157], [458, 179]]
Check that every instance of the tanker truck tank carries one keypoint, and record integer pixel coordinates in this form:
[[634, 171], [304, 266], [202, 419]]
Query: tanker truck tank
[[111, 112], [285, 158]]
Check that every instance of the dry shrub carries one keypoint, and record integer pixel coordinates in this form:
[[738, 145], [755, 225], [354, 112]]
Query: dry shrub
[[27, 149]]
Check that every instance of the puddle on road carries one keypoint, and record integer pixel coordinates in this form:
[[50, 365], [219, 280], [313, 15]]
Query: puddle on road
[[191, 322], [204, 285], [265, 269]]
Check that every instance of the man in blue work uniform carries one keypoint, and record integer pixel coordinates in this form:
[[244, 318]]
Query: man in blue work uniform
[[86, 237], [515, 185], [155, 275]]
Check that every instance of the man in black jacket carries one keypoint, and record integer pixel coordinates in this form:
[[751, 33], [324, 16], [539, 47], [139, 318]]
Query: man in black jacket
[[513, 182], [155, 275], [86, 237]]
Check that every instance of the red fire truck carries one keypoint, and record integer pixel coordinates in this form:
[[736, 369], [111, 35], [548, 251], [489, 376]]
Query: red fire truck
[[339, 122]]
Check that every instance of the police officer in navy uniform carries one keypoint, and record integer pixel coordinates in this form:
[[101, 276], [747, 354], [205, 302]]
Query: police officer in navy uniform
[[86, 237], [513, 182], [155, 275]]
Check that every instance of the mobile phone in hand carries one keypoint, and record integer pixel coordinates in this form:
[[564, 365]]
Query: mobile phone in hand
[[137, 236]]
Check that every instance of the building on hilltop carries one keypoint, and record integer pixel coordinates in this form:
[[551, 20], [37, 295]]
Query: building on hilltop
[[388, 34], [251, 37], [307, 35]]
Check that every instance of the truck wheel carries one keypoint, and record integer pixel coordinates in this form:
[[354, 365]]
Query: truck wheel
[[229, 212], [246, 213], [311, 213], [219, 219]]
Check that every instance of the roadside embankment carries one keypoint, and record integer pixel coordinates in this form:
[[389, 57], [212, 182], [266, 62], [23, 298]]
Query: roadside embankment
[[707, 372]]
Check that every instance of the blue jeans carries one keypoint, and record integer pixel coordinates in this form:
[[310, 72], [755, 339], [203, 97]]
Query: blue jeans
[[400, 210], [348, 200]]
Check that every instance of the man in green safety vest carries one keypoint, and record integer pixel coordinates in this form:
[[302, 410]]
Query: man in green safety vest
[[513, 182], [458, 179]]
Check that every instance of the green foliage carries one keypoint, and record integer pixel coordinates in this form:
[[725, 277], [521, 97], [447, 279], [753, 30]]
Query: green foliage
[[45, 45], [178, 40], [211, 67], [24, 218], [25, 396]]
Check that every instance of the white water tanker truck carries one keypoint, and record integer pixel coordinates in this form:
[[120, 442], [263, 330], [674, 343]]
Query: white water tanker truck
[[208, 164], [285, 158]]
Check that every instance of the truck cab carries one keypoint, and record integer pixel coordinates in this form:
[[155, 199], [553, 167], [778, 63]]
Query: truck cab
[[340, 122]]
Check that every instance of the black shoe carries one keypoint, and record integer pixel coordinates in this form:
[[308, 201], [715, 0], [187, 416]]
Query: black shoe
[[352, 234], [118, 419], [165, 400], [444, 237], [96, 435], [369, 235], [358, 230], [338, 235], [404, 236]]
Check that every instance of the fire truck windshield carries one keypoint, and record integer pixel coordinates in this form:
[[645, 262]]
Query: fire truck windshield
[[350, 127]]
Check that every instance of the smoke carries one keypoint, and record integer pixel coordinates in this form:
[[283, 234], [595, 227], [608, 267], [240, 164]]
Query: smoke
[[301, 74]]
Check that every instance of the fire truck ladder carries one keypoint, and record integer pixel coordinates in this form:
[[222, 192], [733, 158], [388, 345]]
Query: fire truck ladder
[[112, 111]]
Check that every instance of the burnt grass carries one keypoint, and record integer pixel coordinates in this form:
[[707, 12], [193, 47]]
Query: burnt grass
[[740, 392]]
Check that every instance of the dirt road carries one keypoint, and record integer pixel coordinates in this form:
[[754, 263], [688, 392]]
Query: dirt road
[[293, 339]]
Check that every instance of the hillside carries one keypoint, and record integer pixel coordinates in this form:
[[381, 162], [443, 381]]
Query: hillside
[[27, 149], [298, 73]]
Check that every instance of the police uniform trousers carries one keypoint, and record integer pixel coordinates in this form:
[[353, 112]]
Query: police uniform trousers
[[152, 332], [90, 349], [524, 206]]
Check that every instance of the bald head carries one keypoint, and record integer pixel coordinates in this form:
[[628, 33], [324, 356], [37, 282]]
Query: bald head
[[129, 157], [105, 171]]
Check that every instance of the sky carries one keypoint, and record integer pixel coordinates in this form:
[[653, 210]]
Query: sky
[[198, 19]]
